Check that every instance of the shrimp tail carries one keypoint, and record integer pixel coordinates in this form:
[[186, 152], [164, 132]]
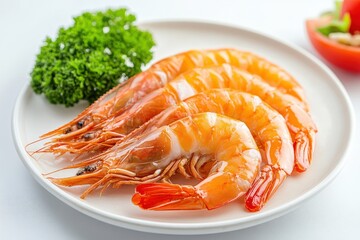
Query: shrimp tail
[[303, 130], [264, 186], [165, 196], [304, 145]]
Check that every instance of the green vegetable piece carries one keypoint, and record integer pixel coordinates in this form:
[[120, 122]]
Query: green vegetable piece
[[338, 7], [85, 60], [335, 14], [336, 26]]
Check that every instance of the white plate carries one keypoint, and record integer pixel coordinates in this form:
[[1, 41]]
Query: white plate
[[330, 106]]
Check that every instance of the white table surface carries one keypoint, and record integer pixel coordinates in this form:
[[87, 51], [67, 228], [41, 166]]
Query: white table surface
[[28, 211]]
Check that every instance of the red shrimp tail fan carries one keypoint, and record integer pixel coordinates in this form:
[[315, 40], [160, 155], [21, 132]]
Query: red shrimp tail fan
[[165, 196], [264, 186]]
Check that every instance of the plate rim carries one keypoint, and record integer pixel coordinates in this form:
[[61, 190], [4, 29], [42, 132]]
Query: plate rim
[[194, 228]]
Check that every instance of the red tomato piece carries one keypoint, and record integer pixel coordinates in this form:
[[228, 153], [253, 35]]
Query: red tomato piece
[[353, 8]]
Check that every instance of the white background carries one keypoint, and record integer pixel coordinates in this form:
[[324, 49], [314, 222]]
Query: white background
[[28, 211]]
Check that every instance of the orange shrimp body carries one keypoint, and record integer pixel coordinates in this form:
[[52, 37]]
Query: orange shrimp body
[[120, 98], [297, 119], [223, 156]]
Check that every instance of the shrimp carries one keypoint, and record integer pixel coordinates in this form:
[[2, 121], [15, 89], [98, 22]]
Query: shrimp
[[299, 122], [267, 126], [123, 96], [226, 157]]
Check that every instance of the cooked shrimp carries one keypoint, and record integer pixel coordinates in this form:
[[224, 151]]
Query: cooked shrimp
[[298, 120], [226, 157], [120, 98], [267, 126]]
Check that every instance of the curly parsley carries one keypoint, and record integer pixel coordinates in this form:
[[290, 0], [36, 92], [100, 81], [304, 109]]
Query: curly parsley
[[96, 53]]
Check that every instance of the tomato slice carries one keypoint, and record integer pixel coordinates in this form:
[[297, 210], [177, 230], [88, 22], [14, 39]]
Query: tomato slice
[[341, 55]]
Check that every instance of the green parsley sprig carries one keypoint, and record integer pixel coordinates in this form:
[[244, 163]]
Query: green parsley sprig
[[85, 60]]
